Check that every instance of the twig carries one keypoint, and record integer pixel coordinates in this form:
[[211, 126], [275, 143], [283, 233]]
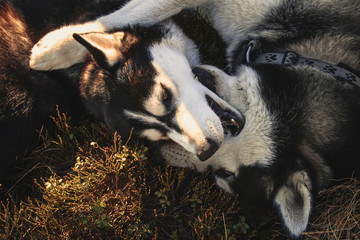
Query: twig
[[17, 182]]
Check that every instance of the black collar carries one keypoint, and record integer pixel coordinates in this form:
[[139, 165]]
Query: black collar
[[251, 53]]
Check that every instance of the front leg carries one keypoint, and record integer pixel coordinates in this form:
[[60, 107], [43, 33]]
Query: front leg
[[146, 12], [53, 50], [58, 49]]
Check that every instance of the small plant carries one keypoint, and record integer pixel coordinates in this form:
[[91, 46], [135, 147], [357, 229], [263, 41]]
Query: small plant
[[102, 220], [140, 230], [163, 198], [239, 228]]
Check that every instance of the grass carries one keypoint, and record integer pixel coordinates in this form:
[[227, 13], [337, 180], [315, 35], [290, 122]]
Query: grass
[[338, 212], [85, 182], [112, 191]]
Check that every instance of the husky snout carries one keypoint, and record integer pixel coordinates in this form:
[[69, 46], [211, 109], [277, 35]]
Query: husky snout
[[200, 131], [231, 120], [205, 137]]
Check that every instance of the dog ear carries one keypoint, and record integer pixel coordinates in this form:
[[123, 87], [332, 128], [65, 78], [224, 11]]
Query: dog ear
[[107, 48], [294, 203]]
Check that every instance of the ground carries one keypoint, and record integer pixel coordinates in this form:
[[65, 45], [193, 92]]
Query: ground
[[85, 182]]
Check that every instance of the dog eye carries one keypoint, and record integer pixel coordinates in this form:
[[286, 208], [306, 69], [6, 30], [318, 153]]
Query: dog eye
[[222, 173], [166, 95]]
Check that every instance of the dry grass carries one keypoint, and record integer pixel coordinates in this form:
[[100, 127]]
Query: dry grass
[[91, 185], [338, 211], [112, 191]]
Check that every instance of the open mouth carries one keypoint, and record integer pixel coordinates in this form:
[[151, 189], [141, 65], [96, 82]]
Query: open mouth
[[232, 123]]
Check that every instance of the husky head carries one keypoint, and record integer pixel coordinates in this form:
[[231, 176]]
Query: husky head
[[141, 78], [261, 164]]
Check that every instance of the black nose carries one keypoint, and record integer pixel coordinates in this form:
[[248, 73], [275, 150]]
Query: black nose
[[208, 150]]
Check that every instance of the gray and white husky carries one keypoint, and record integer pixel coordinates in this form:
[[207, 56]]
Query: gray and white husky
[[293, 66]]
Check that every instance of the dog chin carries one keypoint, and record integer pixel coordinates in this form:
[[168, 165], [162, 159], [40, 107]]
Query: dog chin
[[175, 155]]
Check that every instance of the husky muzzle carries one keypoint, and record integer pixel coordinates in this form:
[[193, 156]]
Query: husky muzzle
[[231, 122], [203, 134], [232, 125]]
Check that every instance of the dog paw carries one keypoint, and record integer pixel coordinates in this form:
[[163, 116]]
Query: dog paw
[[58, 49]]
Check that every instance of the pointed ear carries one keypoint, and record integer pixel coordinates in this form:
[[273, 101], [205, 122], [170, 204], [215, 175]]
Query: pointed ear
[[107, 48], [294, 203]]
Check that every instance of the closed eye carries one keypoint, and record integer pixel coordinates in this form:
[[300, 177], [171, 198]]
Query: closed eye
[[222, 173]]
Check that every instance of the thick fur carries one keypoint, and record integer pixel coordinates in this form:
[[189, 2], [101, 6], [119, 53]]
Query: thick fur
[[137, 77], [316, 29], [301, 124], [301, 131], [27, 98]]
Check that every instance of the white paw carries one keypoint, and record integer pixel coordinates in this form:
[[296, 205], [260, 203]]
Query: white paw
[[58, 49]]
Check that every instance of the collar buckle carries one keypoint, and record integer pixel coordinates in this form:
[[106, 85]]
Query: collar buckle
[[253, 45]]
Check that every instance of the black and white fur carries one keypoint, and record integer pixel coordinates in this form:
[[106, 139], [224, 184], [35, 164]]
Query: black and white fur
[[308, 27], [302, 125], [134, 77], [301, 130]]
